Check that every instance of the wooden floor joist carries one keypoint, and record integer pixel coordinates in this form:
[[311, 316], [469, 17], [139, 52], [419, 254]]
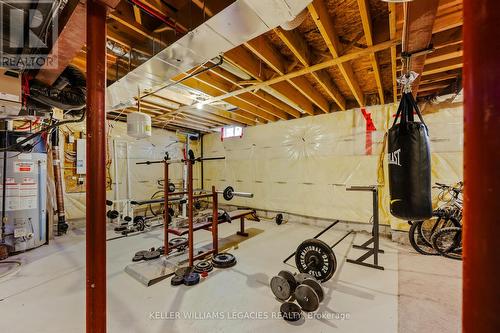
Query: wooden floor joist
[[324, 23]]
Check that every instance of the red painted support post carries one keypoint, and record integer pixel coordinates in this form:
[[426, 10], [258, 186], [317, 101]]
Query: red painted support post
[[166, 216], [481, 271], [96, 176]]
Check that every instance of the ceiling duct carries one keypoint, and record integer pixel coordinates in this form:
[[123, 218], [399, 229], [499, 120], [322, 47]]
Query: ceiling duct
[[233, 26], [290, 25]]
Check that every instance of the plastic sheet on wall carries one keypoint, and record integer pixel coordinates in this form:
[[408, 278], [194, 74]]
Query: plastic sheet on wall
[[143, 178], [303, 166]]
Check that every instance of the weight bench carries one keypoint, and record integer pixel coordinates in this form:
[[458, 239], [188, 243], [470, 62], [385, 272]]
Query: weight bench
[[234, 215]]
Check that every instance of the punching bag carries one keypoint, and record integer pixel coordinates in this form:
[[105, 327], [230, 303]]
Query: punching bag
[[409, 163]]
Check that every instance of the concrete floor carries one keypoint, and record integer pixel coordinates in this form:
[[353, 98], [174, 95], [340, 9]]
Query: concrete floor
[[48, 292]]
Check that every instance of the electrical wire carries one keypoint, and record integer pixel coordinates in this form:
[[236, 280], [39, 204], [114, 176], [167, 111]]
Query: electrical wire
[[18, 145]]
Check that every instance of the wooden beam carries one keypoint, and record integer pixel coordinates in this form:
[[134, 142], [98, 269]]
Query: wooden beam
[[392, 33], [135, 27], [445, 53], [242, 58], [137, 14], [438, 77], [323, 21], [301, 50], [443, 66], [366, 21], [323, 65], [419, 19], [235, 80], [213, 91], [262, 48]]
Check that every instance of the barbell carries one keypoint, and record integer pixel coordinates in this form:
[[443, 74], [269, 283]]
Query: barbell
[[229, 193]]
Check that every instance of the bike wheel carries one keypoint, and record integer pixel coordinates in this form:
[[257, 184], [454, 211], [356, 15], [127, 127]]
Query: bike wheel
[[429, 227], [448, 242], [418, 242]]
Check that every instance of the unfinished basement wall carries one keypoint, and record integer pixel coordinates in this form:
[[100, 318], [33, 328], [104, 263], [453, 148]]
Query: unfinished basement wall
[[303, 166], [143, 178]]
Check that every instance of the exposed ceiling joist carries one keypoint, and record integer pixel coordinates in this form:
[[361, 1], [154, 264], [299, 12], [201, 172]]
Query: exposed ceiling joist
[[307, 70], [392, 33], [419, 21], [243, 59], [366, 21], [299, 47], [324, 23]]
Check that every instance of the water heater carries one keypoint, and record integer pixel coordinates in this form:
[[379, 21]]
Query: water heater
[[25, 194], [139, 125]]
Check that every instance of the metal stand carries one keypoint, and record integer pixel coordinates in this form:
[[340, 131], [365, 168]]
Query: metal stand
[[375, 232]]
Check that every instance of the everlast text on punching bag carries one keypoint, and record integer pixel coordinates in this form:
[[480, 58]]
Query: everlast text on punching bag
[[409, 163]]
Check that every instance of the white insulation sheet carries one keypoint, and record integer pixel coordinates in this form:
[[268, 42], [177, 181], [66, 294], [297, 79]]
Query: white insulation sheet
[[303, 166]]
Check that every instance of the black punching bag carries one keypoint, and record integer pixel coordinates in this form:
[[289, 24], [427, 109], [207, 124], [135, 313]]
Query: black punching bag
[[409, 163]]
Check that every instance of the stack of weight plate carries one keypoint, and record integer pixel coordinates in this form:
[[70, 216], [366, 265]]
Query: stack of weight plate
[[303, 288]]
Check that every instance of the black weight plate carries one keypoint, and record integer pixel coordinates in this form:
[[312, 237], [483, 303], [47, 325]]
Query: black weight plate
[[302, 276], [280, 288], [203, 266], [315, 257], [151, 255], [176, 241], [141, 253], [279, 219], [177, 280], [228, 193], [183, 271], [290, 311], [313, 283], [191, 279], [137, 258], [290, 278], [171, 187], [307, 298], [223, 260]]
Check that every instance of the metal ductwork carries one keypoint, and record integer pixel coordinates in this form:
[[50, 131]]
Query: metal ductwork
[[233, 26]]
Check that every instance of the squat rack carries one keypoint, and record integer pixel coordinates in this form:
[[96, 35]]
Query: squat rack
[[191, 197]]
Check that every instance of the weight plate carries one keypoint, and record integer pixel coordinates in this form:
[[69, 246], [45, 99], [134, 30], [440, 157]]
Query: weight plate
[[279, 219], [177, 280], [223, 260], [191, 279], [112, 214], [302, 276], [307, 298], [290, 278], [280, 288], [290, 311], [137, 258], [313, 283], [141, 253], [315, 257], [183, 271], [203, 266], [171, 187], [228, 193], [176, 241], [151, 255]]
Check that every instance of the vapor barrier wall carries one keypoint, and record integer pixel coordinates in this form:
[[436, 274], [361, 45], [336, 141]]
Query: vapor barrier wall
[[303, 166]]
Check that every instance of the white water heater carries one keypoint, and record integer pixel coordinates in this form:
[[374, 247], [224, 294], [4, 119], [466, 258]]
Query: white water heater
[[139, 125]]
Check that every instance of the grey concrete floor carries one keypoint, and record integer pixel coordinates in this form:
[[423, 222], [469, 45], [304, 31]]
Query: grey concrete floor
[[48, 293], [430, 293]]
